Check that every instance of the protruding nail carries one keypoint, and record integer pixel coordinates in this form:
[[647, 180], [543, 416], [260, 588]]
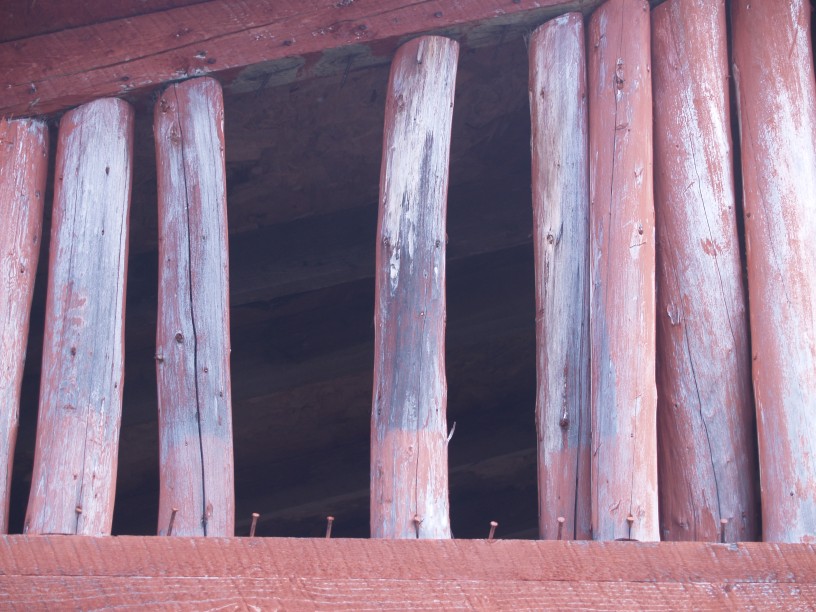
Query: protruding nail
[[329, 522], [493, 525], [172, 520], [631, 520], [417, 522], [254, 524], [78, 509], [723, 523], [561, 520]]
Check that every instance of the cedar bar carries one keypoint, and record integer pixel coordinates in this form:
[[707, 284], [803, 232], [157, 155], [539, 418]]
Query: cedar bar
[[776, 95], [74, 476], [23, 169], [561, 224], [706, 433], [192, 338], [624, 437], [409, 453]]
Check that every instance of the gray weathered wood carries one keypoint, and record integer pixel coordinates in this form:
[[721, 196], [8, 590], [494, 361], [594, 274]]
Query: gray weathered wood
[[193, 335], [622, 261], [409, 455], [23, 169], [561, 231], [74, 475], [776, 96]]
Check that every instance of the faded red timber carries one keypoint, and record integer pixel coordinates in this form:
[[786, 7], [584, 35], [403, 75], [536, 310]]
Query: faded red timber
[[776, 95], [74, 475], [558, 111], [23, 170], [193, 336], [706, 430], [409, 438], [622, 262]]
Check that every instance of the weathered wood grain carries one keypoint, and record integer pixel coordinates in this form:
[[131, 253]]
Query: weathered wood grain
[[23, 169], [261, 573], [622, 251], [74, 476], [561, 237], [409, 455], [706, 425], [193, 331], [46, 73], [776, 97]]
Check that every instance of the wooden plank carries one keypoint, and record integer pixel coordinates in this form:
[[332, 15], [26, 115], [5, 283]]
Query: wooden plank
[[561, 226], [23, 19], [193, 331], [409, 456], [74, 476], [47, 73], [90, 573], [23, 170], [706, 425], [622, 316], [777, 115]]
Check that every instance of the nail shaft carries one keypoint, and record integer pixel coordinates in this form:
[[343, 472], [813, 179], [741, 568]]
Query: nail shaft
[[329, 522], [723, 523], [172, 520], [561, 521], [493, 525], [254, 524]]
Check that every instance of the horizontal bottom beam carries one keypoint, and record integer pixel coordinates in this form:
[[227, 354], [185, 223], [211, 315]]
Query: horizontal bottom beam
[[40, 572]]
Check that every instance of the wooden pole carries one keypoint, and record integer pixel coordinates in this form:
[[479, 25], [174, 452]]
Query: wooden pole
[[706, 431], [23, 170], [74, 476], [192, 338], [561, 225], [409, 455], [624, 437], [776, 96]]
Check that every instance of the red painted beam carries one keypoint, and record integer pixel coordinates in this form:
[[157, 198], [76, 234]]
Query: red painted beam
[[74, 477], [776, 95], [272, 573], [55, 71], [193, 335], [706, 429], [23, 170], [622, 233], [558, 110], [409, 446]]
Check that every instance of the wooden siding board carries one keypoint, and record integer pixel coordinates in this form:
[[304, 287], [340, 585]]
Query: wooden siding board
[[55, 71], [74, 476], [706, 425], [776, 99], [558, 109], [23, 170], [368, 574]]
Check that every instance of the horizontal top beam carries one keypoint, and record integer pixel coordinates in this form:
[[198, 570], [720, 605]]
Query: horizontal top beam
[[355, 574], [249, 44]]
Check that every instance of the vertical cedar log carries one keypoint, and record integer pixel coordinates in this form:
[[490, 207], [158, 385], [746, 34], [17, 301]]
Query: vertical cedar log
[[561, 223], [74, 477], [622, 323], [23, 169], [409, 454], [706, 432], [776, 98], [192, 338]]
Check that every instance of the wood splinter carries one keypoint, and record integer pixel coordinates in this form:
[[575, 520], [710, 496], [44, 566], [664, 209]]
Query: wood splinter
[[254, 524], [329, 522]]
